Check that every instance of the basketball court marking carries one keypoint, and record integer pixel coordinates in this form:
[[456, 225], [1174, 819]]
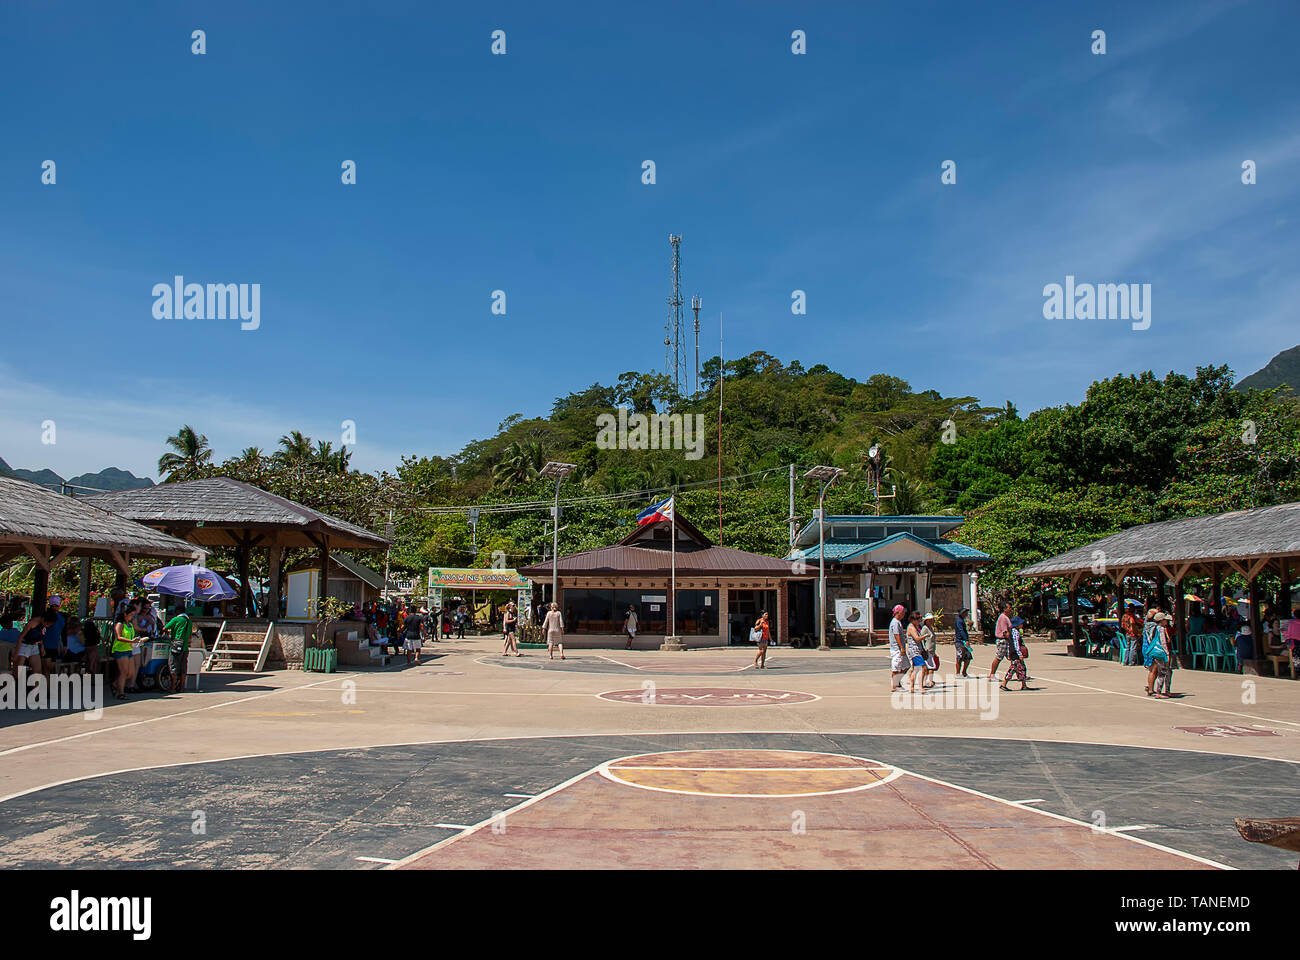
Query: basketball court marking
[[706, 697], [605, 830], [673, 772], [1175, 702]]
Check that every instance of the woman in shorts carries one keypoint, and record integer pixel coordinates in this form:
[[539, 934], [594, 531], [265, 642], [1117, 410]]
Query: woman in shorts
[[762, 637], [553, 627], [509, 624], [629, 625], [123, 652], [31, 643], [915, 653]]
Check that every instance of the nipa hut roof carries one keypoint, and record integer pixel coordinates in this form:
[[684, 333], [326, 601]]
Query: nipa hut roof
[[1240, 535], [36, 515], [218, 511]]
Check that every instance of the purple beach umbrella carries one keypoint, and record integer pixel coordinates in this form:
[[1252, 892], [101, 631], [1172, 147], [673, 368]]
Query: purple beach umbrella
[[190, 581]]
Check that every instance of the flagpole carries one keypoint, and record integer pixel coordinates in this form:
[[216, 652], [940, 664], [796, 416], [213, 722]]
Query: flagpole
[[671, 640]]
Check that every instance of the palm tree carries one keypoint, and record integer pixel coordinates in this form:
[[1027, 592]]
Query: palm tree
[[519, 463], [252, 455], [329, 459], [192, 454], [295, 447]]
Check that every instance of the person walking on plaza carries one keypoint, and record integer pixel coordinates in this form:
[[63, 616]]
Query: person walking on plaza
[[762, 634], [930, 647], [180, 628], [961, 643], [898, 660], [1002, 634], [915, 653], [629, 625], [461, 617], [553, 627], [509, 624], [1131, 625], [411, 638], [1154, 651], [1165, 668], [1016, 653]]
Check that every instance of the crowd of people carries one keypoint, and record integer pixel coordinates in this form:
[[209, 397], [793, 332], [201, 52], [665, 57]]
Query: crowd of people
[[914, 656], [52, 641]]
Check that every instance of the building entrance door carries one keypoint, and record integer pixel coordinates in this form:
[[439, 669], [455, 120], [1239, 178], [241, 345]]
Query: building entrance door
[[743, 609]]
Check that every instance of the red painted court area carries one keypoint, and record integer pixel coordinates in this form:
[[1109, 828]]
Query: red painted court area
[[778, 809]]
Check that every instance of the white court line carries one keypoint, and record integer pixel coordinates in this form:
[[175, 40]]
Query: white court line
[[525, 796], [166, 716], [445, 826], [800, 732], [1174, 702], [619, 662], [467, 831], [1136, 826], [1035, 800], [374, 859], [608, 768], [1080, 823]]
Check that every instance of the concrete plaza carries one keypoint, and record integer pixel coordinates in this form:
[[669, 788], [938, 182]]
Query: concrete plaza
[[646, 759]]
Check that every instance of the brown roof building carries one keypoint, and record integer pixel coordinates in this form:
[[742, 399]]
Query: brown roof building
[[720, 591]]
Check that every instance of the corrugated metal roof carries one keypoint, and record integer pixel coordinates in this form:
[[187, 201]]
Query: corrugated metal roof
[[692, 561], [1238, 535], [852, 550]]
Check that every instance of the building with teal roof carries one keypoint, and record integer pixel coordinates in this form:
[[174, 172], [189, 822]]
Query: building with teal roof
[[886, 561]]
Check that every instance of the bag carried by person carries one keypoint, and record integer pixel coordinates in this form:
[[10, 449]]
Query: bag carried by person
[[756, 635]]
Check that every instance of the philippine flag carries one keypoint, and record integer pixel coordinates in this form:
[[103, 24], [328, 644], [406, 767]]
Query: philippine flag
[[660, 511]]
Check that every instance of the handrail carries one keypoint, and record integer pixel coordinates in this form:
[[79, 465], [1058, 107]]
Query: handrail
[[207, 664], [266, 647]]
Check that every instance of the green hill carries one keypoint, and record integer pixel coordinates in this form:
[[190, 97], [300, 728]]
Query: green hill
[[1282, 371]]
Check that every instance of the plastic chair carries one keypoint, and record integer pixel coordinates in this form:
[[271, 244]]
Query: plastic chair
[[1196, 647], [1119, 645], [1213, 652], [1229, 651]]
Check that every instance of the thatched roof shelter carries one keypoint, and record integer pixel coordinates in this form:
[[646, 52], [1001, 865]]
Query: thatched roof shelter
[[1248, 542], [221, 512], [217, 513], [1240, 540], [49, 527]]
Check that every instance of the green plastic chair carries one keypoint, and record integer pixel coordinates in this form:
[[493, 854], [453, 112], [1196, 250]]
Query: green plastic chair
[[1196, 645], [1229, 651], [1213, 652], [1118, 645]]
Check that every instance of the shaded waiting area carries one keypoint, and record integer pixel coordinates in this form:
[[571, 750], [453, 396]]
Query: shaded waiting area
[[50, 527], [1261, 545], [221, 512]]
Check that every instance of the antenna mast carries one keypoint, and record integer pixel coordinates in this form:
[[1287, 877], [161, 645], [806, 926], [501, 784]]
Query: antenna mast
[[696, 303], [674, 349]]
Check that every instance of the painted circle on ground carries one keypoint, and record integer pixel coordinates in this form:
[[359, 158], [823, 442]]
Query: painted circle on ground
[[651, 695], [751, 774]]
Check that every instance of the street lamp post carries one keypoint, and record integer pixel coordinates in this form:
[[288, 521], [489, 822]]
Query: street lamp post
[[824, 476], [559, 471]]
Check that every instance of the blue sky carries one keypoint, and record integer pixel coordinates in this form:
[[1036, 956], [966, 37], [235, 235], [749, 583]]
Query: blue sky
[[522, 173]]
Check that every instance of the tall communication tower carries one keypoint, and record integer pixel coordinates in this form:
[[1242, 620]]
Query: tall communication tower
[[674, 349], [696, 303]]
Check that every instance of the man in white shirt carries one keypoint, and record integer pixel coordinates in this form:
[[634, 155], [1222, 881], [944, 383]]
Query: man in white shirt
[[898, 663]]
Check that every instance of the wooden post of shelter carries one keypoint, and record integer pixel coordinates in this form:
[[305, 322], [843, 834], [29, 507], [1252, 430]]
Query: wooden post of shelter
[[245, 590], [274, 555], [83, 588]]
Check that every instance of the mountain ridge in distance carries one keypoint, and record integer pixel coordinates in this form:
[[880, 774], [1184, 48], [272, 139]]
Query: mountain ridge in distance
[[110, 478], [1282, 371]]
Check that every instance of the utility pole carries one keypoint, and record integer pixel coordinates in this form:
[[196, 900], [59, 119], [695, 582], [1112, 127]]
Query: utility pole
[[793, 519]]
